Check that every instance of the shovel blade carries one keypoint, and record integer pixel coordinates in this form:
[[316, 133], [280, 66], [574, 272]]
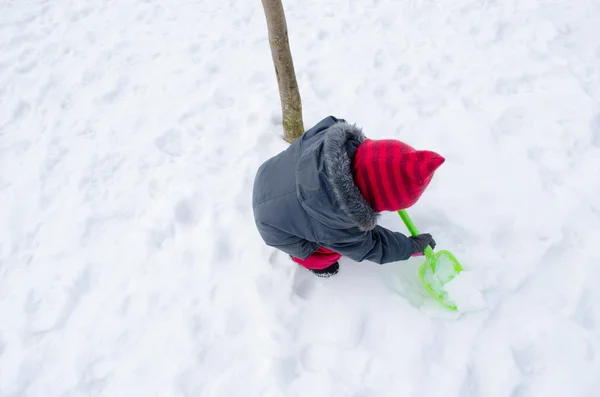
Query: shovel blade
[[437, 271]]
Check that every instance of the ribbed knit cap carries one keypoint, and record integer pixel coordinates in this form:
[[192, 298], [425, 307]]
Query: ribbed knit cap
[[392, 175]]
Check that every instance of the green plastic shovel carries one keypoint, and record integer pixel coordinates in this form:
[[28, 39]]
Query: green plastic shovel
[[437, 270]]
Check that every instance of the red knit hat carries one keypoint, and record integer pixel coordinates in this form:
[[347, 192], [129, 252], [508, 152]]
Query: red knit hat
[[391, 175]]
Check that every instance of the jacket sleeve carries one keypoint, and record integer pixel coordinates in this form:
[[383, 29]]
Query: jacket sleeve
[[379, 245]]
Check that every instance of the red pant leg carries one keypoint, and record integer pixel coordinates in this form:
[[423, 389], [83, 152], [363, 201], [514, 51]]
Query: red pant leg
[[320, 259]]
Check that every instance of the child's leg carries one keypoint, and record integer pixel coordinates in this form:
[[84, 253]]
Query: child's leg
[[320, 259]]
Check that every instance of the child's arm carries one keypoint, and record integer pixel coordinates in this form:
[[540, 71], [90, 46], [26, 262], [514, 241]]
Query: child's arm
[[379, 245]]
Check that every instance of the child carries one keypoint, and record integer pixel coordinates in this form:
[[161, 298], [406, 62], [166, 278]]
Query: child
[[320, 198]]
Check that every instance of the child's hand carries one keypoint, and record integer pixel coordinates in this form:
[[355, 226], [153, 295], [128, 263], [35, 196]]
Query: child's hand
[[421, 241]]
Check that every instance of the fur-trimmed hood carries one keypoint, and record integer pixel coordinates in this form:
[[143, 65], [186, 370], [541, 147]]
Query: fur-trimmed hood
[[339, 145]]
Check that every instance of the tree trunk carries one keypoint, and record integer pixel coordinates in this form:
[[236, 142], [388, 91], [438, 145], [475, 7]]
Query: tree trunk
[[291, 104]]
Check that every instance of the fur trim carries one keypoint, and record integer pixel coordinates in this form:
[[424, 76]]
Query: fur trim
[[338, 166]]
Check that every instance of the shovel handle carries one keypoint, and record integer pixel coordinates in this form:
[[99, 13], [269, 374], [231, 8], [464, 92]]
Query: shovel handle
[[413, 229], [409, 223]]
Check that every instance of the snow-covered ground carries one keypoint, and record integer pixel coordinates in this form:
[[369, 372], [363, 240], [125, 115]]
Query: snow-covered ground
[[130, 132]]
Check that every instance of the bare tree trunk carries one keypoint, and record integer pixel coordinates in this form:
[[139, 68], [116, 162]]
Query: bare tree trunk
[[291, 104]]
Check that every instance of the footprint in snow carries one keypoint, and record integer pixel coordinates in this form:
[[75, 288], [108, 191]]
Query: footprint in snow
[[80, 14], [222, 250], [110, 96], [595, 127], [170, 143], [46, 88], [21, 111], [184, 212], [160, 233], [501, 239], [511, 122], [304, 283], [526, 360], [522, 390], [583, 313], [223, 99]]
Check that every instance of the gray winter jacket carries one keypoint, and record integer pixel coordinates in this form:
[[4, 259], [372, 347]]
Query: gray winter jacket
[[305, 197]]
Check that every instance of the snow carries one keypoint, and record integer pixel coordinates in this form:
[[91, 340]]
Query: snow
[[130, 133], [465, 294]]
